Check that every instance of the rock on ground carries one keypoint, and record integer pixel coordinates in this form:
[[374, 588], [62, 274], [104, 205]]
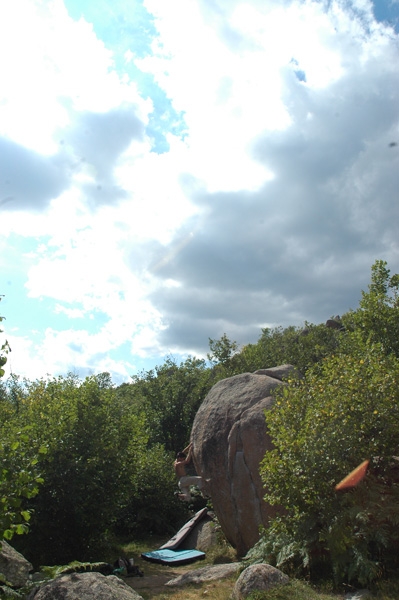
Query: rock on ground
[[229, 440], [85, 586], [203, 536], [14, 566], [261, 577], [205, 574]]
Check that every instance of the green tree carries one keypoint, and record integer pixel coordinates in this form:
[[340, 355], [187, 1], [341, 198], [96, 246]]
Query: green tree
[[345, 410], [170, 395], [153, 507], [377, 317], [4, 350], [19, 480], [19, 470], [298, 346], [95, 443]]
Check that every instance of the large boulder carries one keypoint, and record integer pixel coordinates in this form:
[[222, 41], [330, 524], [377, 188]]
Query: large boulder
[[14, 566], [85, 586], [229, 440], [262, 577]]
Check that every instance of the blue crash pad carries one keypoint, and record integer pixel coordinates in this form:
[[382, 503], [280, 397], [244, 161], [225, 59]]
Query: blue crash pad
[[176, 557]]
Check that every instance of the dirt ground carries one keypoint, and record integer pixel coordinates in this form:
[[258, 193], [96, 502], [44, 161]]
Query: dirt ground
[[156, 575]]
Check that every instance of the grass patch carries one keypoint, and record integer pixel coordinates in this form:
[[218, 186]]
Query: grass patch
[[300, 590]]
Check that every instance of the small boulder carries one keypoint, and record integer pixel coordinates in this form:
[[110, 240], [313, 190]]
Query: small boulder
[[14, 566], [202, 537], [260, 577], [85, 586], [205, 574]]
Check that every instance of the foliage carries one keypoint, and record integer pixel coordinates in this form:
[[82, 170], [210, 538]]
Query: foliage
[[19, 472], [345, 410], [4, 349], [301, 347], [94, 443], [377, 318], [170, 395], [153, 507], [298, 346], [323, 426], [19, 478], [300, 590]]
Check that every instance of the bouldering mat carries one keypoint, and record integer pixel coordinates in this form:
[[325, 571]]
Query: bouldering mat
[[177, 539], [176, 557]]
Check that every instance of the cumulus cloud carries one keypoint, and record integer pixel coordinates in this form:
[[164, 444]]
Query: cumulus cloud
[[300, 247], [28, 179], [273, 194]]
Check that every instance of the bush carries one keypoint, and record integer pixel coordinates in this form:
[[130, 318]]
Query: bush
[[322, 427], [94, 446]]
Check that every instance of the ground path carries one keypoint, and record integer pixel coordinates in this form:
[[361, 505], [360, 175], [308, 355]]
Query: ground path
[[157, 576]]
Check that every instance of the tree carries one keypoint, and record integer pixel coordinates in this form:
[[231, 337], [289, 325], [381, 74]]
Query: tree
[[19, 479], [19, 457], [377, 317], [221, 351], [95, 443], [4, 349], [345, 410], [322, 428], [170, 395], [298, 346]]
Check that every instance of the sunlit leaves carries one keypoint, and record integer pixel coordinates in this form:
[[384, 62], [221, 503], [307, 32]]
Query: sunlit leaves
[[19, 479], [344, 411], [4, 349]]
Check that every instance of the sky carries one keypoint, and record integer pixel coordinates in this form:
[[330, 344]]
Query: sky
[[173, 171]]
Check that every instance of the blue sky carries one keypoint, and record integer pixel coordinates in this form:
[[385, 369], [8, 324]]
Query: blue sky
[[172, 171]]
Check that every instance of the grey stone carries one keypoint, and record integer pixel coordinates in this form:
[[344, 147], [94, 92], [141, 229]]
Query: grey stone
[[14, 566], [205, 574], [229, 440], [260, 577], [203, 536], [9, 593], [86, 586]]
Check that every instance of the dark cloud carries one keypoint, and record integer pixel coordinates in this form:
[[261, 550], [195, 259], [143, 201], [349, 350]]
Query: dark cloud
[[93, 142], [98, 139], [28, 179], [301, 248]]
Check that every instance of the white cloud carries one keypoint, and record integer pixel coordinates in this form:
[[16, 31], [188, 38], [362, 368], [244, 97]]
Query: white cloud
[[53, 65], [262, 212]]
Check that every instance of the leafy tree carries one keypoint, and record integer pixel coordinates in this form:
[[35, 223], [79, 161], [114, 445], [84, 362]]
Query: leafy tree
[[153, 507], [19, 473], [4, 349], [298, 346], [345, 410], [377, 317], [170, 395], [94, 445], [19, 479]]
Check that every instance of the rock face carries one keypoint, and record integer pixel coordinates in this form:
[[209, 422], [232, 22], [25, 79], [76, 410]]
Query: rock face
[[261, 577], [14, 566], [229, 440], [86, 586]]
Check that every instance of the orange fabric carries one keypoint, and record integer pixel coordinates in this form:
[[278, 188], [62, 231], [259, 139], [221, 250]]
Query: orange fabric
[[354, 477]]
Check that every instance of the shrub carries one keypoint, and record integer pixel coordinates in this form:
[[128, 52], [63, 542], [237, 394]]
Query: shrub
[[344, 411]]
